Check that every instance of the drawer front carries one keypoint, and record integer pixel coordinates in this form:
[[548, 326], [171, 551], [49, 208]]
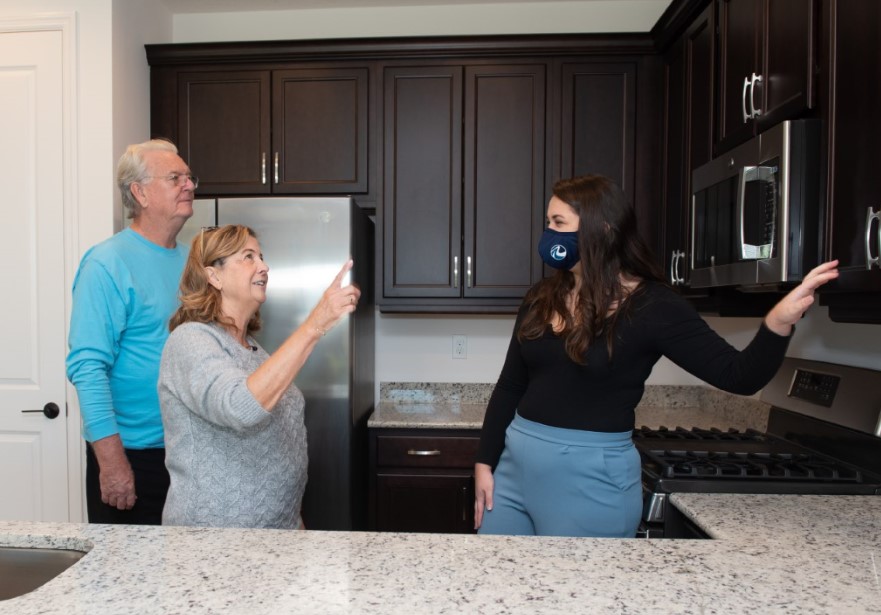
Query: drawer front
[[426, 452]]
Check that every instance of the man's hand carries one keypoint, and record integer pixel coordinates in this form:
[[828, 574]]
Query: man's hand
[[115, 476]]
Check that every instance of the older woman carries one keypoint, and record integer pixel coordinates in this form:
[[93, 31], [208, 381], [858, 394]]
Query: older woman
[[235, 437]]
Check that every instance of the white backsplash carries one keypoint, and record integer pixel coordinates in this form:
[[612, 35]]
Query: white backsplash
[[419, 348]]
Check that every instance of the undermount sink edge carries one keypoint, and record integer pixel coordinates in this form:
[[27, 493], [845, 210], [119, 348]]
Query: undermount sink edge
[[29, 562]]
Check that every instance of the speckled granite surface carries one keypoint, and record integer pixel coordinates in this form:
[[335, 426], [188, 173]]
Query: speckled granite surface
[[461, 406], [774, 554]]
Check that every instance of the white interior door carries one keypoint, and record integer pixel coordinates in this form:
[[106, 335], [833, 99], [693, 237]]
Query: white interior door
[[33, 447]]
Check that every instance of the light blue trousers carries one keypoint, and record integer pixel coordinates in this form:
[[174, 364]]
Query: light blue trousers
[[565, 482]]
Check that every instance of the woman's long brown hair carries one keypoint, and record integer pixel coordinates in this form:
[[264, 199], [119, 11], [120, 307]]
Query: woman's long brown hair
[[199, 300], [609, 245]]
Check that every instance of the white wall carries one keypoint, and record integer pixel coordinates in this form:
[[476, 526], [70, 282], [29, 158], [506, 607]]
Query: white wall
[[419, 348], [511, 18], [135, 23]]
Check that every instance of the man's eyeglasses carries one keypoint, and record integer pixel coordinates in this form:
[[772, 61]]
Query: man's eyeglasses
[[178, 179]]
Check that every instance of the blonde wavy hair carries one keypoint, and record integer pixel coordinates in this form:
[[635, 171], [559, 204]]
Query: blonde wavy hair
[[199, 300]]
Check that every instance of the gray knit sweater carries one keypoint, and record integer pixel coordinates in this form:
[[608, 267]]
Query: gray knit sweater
[[232, 464]]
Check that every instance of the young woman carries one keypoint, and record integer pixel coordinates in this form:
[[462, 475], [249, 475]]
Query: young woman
[[556, 455]]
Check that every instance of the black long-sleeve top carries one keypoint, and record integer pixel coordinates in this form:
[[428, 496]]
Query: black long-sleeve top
[[541, 383]]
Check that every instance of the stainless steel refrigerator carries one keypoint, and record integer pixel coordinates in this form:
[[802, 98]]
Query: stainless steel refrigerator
[[305, 242]]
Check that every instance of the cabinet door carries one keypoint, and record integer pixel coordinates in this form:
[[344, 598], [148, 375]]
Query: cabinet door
[[441, 503], [598, 121], [319, 130], [675, 191], [223, 130], [422, 204], [854, 121], [688, 139], [789, 60], [739, 54], [700, 51], [503, 203], [776, 40]]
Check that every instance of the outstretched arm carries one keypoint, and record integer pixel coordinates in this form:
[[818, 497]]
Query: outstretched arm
[[792, 307], [269, 382]]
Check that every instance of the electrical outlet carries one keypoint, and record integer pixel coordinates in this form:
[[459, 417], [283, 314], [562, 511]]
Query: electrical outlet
[[460, 347]]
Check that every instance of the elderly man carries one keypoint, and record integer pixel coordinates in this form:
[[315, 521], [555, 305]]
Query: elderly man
[[124, 292]]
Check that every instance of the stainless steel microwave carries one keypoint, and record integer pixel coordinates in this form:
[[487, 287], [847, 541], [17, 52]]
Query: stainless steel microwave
[[755, 212]]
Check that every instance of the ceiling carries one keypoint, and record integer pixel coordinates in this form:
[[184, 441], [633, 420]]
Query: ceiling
[[224, 6]]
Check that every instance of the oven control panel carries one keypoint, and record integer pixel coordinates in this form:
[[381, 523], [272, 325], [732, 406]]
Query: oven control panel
[[814, 387]]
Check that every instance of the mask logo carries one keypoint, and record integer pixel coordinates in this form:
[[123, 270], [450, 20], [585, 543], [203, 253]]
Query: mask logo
[[559, 249], [558, 252]]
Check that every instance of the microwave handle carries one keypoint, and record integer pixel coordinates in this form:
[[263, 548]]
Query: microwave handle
[[742, 173]]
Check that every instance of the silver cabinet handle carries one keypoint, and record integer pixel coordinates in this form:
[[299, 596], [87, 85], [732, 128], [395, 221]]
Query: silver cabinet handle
[[675, 259], [456, 271], [468, 271], [275, 164], [263, 168], [743, 99], [754, 112], [680, 278], [416, 453], [876, 260]]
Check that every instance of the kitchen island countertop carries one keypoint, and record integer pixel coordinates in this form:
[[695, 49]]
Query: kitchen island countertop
[[772, 554]]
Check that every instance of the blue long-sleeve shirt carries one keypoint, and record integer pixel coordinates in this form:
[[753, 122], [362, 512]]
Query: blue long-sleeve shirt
[[125, 291]]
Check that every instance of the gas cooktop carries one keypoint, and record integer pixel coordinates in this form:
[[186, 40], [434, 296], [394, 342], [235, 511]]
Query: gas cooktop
[[822, 438]]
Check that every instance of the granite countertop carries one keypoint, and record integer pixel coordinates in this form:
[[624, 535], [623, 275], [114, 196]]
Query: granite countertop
[[413, 405], [773, 554]]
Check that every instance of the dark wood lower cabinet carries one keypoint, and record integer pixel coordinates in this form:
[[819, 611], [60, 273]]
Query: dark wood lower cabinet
[[425, 502], [422, 480]]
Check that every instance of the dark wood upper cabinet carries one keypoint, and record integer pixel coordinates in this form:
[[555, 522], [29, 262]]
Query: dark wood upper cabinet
[[504, 197], [319, 130], [687, 143], [851, 100], [598, 131], [223, 129], [257, 132], [464, 150], [422, 202], [454, 141], [767, 65]]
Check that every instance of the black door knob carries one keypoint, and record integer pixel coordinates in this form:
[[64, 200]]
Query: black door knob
[[50, 410]]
